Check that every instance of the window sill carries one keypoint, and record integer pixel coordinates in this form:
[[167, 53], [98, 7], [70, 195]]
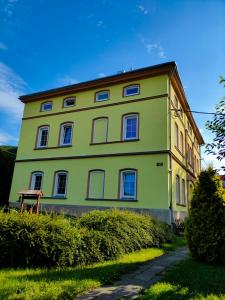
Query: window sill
[[115, 200], [54, 197], [180, 204], [56, 147], [179, 151], [114, 142]]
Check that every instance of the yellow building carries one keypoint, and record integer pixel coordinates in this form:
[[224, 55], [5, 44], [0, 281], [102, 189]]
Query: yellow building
[[127, 141]]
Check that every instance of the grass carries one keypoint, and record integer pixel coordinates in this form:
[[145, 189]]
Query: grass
[[68, 282], [189, 280]]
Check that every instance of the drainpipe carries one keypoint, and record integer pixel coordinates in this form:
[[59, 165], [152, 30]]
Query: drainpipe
[[170, 150]]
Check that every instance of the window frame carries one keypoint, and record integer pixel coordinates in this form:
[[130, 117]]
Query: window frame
[[55, 184], [93, 130], [89, 180], [176, 135], [101, 92], [69, 98], [131, 86], [178, 198], [62, 132], [124, 127], [32, 182], [42, 105], [181, 142], [183, 192], [121, 195], [38, 137]]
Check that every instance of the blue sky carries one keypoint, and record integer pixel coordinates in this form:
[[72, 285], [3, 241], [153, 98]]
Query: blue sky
[[51, 43]]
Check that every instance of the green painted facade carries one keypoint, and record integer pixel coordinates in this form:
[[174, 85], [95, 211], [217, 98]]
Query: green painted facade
[[151, 155]]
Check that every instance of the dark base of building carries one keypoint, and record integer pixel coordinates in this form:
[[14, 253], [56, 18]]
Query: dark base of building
[[163, 215]]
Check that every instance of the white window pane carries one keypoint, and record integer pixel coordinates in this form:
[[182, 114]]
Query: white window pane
[[128, 184], [102, 96]]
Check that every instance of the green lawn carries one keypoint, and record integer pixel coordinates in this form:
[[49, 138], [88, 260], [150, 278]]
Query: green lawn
[[189, 280], [67, 283]]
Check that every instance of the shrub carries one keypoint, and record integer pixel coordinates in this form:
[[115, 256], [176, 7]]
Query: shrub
[[50, 240], [122, 231], [33, 240], [205, 226]]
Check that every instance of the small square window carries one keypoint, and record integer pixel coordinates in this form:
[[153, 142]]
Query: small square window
[[46, 106], [68, 102], [131, 90], [102, 96]]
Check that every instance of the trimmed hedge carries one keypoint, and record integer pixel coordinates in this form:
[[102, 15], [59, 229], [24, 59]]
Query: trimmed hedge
[[50, 240]]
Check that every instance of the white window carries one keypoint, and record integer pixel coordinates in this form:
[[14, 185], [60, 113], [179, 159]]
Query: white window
[[183, 192], [42, 139], [60, 184], [36, 181], [178, 189], [46, 106], [128, 184], [130, 127], [66, 134], [181, 142], [131, 90], [68, 102], [176, 102], [176, 135], [96, 184], [102, 96]]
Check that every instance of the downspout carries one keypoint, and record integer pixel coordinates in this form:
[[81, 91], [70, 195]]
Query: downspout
[[170, 149]]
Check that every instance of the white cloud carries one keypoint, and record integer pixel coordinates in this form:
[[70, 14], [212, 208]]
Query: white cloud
[[7, 138], [101, 75], [153, 48], [10, 7], [3, 46], [100, 23], [66, 80], [11, 86], [142, 9]]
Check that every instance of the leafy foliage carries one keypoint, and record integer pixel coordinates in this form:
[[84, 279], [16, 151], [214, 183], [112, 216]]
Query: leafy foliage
[[50, 240], [206, 222], [7, 160], [217, 127]]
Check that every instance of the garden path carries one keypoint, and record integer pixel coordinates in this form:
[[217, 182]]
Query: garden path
[[131, 284]]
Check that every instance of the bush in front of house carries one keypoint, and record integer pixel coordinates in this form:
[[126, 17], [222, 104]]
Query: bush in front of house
[[205, 226], [37, 240], [116, 232], [50, 240]]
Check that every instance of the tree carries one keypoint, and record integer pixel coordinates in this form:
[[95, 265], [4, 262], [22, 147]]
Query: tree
[[217, 127], [7, 161], [205, 224]]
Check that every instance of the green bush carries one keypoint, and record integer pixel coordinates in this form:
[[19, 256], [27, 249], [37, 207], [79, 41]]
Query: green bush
[[205, 226], [50, 240], [31, 240]]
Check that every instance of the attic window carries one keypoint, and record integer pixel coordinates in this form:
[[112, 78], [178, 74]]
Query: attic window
[[46, 106], [131, 90], [68, 102]]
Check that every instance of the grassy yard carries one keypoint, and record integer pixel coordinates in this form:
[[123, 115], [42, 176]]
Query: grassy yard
[[67, 283], [189, 280]]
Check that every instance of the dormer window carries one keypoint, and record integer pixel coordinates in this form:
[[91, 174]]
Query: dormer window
[[46, 106], [102, 96], [131, 90], [68, 102]]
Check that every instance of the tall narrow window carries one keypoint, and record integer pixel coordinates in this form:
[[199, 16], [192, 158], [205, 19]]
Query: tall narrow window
[[131, 90], [36, 180], [100, 130], [96, 180], [176, 102], [178, 189], [130, 127], [42, 138], [183, 192], [66, 134], [60, 184], [181, 142], [176, 135], [128, 184]]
